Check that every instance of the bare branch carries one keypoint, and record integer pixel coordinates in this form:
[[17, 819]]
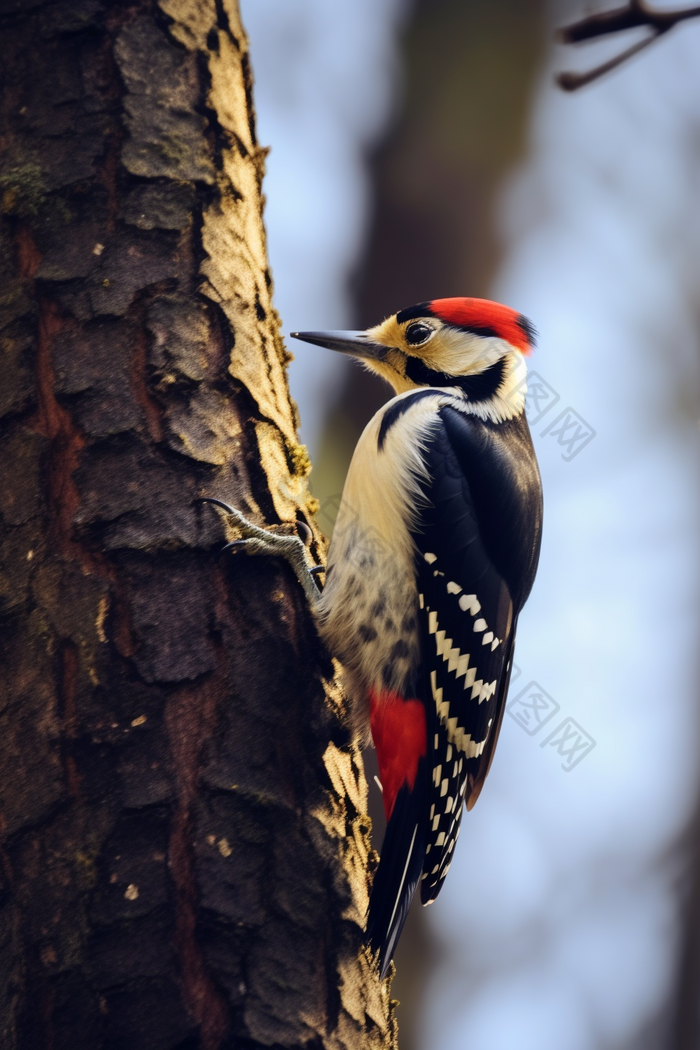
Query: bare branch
[[636, 13], [573, 81]]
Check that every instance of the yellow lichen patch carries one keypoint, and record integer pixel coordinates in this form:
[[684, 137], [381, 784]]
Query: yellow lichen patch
[[301, 460]]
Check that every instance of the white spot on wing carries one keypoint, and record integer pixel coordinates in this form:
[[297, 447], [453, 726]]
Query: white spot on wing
[[430, 558], [480, 624], [462, 665], [487, 691], [470, 602], [453, 588], [454, 655], [443, 708]]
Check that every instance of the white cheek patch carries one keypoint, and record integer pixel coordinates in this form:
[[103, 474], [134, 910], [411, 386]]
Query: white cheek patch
[[461, 353]]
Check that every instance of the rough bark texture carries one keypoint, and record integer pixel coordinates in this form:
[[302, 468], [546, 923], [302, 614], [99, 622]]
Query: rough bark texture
[[184, 845]]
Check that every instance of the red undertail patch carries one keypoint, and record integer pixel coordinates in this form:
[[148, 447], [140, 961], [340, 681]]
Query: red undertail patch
[[400, 737]]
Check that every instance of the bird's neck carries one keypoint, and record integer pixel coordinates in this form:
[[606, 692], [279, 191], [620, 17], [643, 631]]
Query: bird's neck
[[498, 393]]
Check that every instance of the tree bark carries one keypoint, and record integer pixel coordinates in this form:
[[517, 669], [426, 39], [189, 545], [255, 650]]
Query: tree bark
[[182, 811]]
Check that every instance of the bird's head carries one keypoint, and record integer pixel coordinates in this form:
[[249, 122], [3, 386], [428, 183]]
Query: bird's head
[[472, 345]]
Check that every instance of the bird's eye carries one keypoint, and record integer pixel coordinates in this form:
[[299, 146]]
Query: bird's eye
[[418, 333]]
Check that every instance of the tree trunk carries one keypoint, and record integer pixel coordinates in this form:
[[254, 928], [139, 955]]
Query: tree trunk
[[182, 812]]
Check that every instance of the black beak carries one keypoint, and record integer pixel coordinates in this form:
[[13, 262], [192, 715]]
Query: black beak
[[357, 344]]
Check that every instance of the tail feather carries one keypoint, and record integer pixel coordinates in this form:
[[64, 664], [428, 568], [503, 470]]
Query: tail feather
[[397, 876]]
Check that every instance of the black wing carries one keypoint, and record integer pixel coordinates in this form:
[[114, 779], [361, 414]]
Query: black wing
[[477, 549]]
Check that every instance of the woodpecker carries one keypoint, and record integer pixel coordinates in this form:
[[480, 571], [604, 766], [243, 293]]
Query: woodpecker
[[434, 553]]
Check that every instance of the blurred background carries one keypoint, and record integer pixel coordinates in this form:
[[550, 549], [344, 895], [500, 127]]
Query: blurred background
[[421, 149]]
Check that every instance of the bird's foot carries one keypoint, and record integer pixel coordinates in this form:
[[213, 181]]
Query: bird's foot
[[275, 544]]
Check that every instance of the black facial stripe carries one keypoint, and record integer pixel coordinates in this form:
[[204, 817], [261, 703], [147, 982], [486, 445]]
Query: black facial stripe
[[395, 411], [478, 387], [412, 312]]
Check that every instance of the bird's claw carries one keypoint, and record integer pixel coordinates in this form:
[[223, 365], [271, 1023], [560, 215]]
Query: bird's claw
[[256, 540], [233, 546], [218, 503], [308, 534], [246, 527]]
